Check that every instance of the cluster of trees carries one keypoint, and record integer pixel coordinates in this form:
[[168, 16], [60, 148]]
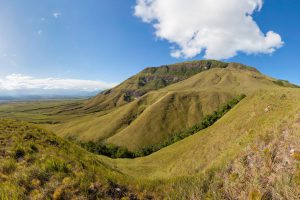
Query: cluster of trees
[[120, 152], [109, 150]]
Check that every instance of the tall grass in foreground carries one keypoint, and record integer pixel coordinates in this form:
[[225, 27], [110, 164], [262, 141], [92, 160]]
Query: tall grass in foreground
[[120, 152]]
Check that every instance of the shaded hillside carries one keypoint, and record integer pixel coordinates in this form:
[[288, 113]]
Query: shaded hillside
[[152, 78]]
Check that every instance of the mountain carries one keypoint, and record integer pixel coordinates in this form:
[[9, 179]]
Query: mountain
[[159, 114], [152, 78]]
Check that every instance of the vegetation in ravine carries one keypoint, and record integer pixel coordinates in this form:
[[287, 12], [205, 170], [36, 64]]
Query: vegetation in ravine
[[114, 151], [109, 150]]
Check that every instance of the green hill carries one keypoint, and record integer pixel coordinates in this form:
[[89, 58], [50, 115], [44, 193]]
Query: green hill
[[149, 79], [157, 115]]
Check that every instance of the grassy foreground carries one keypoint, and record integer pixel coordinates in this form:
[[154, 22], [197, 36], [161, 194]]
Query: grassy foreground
[[36, 164]]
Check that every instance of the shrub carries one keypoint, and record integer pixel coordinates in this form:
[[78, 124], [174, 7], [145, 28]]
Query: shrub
[[19, 153], [109, 150]]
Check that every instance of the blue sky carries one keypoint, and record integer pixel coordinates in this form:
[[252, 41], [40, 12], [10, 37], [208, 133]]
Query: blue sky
[[105, 40]]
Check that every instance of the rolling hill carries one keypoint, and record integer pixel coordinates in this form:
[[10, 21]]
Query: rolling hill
[[159, 114]]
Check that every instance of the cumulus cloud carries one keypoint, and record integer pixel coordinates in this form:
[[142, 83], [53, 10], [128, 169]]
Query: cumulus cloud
[[22, 82], [219, 28]]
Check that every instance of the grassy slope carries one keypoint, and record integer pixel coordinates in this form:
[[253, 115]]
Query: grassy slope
[[231, 159], [248, 119], [258, 121], [36, 164]]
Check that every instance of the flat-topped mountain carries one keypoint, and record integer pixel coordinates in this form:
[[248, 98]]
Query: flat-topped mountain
[[154, 113], [152, 78]]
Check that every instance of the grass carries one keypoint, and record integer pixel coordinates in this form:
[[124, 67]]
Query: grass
[[37, 164], [113, 151], [45, 113], [195, 167], [55, 165], [244, 155], [206, 122], [8, 166]]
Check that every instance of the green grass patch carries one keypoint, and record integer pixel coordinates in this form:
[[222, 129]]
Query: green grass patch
[[55, 165]]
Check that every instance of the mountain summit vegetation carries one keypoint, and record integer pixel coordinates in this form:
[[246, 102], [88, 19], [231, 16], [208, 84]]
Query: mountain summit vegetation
[[192, 130]]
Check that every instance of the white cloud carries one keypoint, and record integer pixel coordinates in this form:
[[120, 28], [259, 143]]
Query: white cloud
[[21, 82], [221, 28], [56, 14]]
